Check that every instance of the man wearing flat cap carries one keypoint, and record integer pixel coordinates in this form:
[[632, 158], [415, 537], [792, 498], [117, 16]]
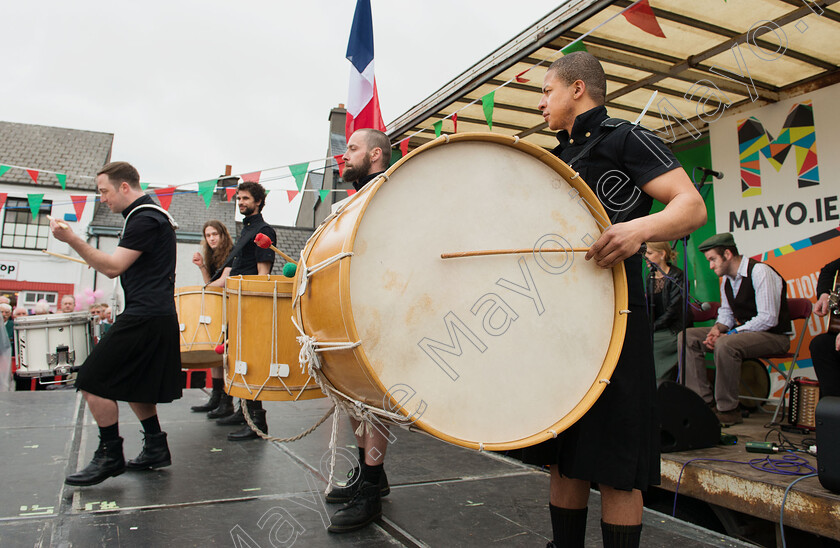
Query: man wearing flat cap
[[753, 320]]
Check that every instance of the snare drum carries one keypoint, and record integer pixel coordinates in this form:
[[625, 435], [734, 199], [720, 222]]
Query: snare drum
[[262, 351], [51, 344], [498, 352], [200, 321]]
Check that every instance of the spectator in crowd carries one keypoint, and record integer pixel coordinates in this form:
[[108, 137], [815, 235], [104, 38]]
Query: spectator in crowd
[[18, 312], [41, 307], [68, 304], [9, 323]]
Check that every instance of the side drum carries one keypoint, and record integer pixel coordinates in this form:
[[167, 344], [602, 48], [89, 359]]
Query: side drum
[[200, 322], [52, 344], [262, 349]]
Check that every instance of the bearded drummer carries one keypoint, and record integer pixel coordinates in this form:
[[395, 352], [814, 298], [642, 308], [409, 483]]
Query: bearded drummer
[[368, 155], [216, 245], [139, 359], [616, 443], [246, 259]]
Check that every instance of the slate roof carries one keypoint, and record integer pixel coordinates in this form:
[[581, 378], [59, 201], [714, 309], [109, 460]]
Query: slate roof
[[74, 152], [186, 207]]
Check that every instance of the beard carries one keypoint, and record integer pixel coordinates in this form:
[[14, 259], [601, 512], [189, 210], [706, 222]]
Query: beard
[[356, 172], [248, 211]]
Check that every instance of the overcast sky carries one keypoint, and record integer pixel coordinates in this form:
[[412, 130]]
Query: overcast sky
[[187, 86]]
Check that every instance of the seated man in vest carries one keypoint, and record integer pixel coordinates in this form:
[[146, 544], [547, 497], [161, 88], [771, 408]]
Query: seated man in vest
[[752, 321]]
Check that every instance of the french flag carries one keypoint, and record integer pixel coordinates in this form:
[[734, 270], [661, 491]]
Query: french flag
[[363, 101]]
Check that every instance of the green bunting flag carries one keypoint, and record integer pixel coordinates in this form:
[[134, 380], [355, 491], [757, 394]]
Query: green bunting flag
[[487, 103], [299, 172], [438, 127], [577, 45], [3, 170], [144, 186], [35, 204], [62, 180], [205, 190], [324, 194]]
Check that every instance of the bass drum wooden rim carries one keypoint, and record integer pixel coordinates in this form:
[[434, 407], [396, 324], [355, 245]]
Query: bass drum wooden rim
[[618, 274]]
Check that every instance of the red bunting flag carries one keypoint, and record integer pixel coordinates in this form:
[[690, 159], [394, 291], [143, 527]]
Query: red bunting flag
[[641, 15], [3, 196], [339, 159], [79, 203], [251, 177], [231, 192], [519, 77], [291, 194], [404, 146], [455, 122], [165, 196], [351, 191], [33, 173]]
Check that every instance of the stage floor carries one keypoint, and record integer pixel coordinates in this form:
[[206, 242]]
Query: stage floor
[[260, 494]]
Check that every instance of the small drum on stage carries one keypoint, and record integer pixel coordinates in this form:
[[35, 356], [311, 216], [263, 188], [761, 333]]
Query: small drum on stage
[[496, 351], [52, 344], [262, 349], [200, 322]]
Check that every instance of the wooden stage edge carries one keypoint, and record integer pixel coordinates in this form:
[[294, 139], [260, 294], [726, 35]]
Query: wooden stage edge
[[740, 487]]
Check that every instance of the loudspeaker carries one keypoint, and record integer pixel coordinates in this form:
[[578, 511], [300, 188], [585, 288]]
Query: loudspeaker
[[828, 442], [686, 421]]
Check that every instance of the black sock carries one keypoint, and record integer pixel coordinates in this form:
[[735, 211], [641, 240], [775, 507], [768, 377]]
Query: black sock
[[218, 384], [621, 536], [372, 473], [361, 456], [568, 525], [110, 433], [151, 425]]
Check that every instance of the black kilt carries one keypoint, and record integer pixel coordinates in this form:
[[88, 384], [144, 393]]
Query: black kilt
[[137, 360], [616, 443]]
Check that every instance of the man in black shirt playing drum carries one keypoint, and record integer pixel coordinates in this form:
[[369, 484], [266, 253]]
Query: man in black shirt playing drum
[[616, 443], [246, 258], [138, 360]]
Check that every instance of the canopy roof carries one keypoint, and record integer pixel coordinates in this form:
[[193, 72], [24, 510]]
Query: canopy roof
[[699, 37]]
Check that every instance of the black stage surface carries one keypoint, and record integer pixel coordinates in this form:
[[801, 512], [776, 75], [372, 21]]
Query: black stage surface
[[259, 494]]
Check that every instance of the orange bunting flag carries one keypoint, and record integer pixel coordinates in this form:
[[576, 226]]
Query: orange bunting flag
[[79, 203], [339, 159], [33, 173], [164, 195], [251, 177], [230, 192], [351, 191], [3, 196], [641, 15], [404, 146], [292, 194]]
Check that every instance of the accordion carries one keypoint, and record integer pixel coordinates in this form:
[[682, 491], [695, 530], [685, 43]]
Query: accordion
[[802, 403]]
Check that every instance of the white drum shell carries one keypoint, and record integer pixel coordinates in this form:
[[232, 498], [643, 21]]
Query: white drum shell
[[38, 336]]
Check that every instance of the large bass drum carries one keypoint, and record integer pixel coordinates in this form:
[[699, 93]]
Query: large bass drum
[[499, 351]]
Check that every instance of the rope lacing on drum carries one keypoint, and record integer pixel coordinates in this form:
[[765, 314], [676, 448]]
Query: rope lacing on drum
[[604, 381], [306, 271], [553, 433]]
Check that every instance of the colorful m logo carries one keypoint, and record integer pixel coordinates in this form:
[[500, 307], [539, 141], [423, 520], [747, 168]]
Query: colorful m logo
[[797, 132]]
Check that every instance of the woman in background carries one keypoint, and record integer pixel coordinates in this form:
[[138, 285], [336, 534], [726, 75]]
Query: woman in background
[[216, 245], [665, 302]]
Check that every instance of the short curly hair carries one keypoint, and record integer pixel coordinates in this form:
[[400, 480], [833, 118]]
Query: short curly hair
[[256, 191]]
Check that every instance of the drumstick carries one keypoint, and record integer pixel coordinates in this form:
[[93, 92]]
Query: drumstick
[[59, 222], [67, 257], [459, 254], [264, 242]]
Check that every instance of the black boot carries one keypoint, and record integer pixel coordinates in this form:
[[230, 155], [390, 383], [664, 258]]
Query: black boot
[[107, 461], [258, 417], [365, 507], [224, 409], [155, 453], [212, 403], [344, 494]]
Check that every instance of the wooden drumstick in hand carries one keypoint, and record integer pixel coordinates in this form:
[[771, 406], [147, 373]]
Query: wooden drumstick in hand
[[59, 222], [459, 254], [264, 242]]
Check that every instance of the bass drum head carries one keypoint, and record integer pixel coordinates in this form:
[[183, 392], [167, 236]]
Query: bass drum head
[[504, 350]]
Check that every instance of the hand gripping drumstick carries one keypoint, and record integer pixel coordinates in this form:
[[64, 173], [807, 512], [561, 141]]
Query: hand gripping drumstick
[[459, 254], [59, 222], [264, 242]]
